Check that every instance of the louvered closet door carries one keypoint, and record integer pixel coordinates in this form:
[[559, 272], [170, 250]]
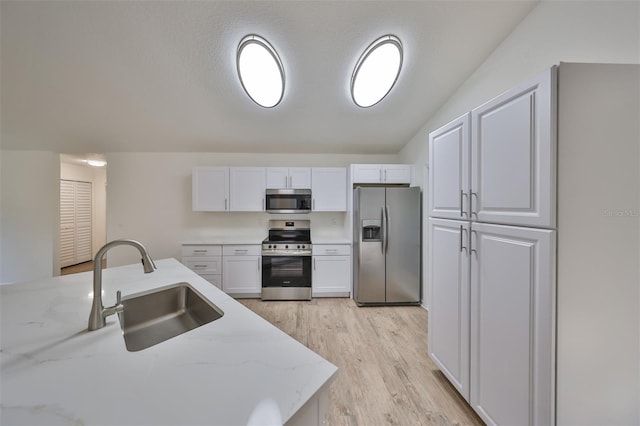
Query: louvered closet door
[[67, 223], [83, 221], [75, 222]]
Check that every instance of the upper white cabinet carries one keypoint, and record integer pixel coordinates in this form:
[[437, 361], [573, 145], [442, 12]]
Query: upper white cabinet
[[329, 189], [513, 155], [449, 180], [247, 188], [210, 189], [288, 177], [381, 173], [497, 165]]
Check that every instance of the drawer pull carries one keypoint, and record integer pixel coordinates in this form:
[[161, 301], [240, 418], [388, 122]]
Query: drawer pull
[[200, 251]]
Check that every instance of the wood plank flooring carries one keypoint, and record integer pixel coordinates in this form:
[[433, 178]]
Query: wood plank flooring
[[385, 376]]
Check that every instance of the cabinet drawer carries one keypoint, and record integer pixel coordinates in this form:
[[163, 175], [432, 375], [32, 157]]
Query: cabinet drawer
[[241, 250], [204, 266], [201, 250], [213, 279], [331, 250]]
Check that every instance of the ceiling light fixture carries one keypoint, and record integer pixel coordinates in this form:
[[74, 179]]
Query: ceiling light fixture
[[97, 163], [377, 71], [260, 71]]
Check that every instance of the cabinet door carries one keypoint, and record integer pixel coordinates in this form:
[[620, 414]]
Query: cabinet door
[[331, 276], [449, 153], [329, 189], [247, 188], [513, 155], [396, 173], [449, 296], [241, 275], [299, 177], [367, 173], [512, 309], [210, 189], [277, 177]]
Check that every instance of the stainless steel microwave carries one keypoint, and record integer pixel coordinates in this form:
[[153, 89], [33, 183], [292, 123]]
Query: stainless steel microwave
[[288, 201]]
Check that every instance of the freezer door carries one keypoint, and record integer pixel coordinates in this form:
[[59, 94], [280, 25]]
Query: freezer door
[[403, 238], [369, 283]]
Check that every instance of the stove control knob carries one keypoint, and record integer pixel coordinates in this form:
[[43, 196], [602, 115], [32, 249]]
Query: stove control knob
[[269, 245], [298, 247], [286, 247], [303, 246]]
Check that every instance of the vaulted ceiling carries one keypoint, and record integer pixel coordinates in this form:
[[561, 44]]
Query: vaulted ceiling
[[107, 76]]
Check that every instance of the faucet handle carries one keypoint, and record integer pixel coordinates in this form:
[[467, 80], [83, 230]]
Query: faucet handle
[[118, 297]]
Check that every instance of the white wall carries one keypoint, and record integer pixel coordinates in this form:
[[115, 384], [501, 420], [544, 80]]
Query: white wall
[[149, 199], [29, 215], [98, 178]]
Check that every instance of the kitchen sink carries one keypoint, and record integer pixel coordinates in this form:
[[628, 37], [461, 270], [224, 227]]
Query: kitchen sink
[[155, 316]]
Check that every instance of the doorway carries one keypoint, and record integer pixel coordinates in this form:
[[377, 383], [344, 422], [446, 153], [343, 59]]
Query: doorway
[[82, 212]]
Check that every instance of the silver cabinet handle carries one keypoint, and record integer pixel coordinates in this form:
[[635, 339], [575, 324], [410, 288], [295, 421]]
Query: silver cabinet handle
[[225, 204], [462, 246], [200, 251], [241, 250], [313, 204], [473, 194], [385, 175], [463, 212], [471, 241], [380, 173], [314, 263], [290, 182]]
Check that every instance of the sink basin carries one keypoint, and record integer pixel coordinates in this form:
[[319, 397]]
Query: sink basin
[[155, 316]]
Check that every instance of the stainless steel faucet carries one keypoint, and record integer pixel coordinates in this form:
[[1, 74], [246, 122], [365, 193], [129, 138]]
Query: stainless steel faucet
[[98, 312]]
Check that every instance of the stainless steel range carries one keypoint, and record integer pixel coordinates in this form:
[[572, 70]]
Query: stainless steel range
[[286, 261]]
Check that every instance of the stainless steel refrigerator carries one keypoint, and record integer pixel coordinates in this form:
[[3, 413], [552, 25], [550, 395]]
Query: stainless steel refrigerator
[[387, 246]]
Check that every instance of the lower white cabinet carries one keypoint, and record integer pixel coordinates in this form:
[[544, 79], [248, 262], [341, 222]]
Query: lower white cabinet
[[491, 317], [205, 260], [242, 270], [331, 276]]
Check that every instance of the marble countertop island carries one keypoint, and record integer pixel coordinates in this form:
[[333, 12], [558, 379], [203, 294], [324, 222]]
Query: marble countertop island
[[53, 371]]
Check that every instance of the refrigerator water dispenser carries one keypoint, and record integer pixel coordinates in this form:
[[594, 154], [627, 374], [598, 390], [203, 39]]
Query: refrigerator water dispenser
[[371, 230]]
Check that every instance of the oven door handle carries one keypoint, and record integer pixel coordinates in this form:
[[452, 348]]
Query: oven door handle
[[292, 254]]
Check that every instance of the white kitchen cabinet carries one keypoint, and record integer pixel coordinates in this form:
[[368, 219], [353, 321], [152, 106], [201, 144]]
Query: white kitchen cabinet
[[381, 173], [449, 180], [205, 260], [512, 305], [210, 189], [449, 297], [497, 164], [331, 275], [491, 317], [329, 189], [546, 302], [513, 155], [247, 187], [288, 177], [242, 270]]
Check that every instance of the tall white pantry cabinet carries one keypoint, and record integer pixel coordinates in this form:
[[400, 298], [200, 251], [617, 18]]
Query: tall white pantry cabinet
[[534, 235]]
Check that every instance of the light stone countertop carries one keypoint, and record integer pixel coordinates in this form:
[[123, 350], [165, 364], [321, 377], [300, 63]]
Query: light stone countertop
[[55, 372]]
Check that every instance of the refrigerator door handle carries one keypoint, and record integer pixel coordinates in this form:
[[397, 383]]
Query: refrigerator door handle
[[386, 227]]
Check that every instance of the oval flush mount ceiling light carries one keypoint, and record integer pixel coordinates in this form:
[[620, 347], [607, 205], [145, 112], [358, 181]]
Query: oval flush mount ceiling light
[[260, 71], [376, 71]]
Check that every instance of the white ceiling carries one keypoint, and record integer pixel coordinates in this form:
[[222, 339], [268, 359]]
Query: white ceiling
[[107, 76]]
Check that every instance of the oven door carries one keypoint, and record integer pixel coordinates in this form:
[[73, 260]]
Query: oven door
[[286, 271]]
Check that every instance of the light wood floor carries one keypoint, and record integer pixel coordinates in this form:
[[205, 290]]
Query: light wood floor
[[81, 267], [385, 376]]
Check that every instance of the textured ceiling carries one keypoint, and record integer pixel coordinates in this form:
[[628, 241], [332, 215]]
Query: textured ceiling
[[106, 76]]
